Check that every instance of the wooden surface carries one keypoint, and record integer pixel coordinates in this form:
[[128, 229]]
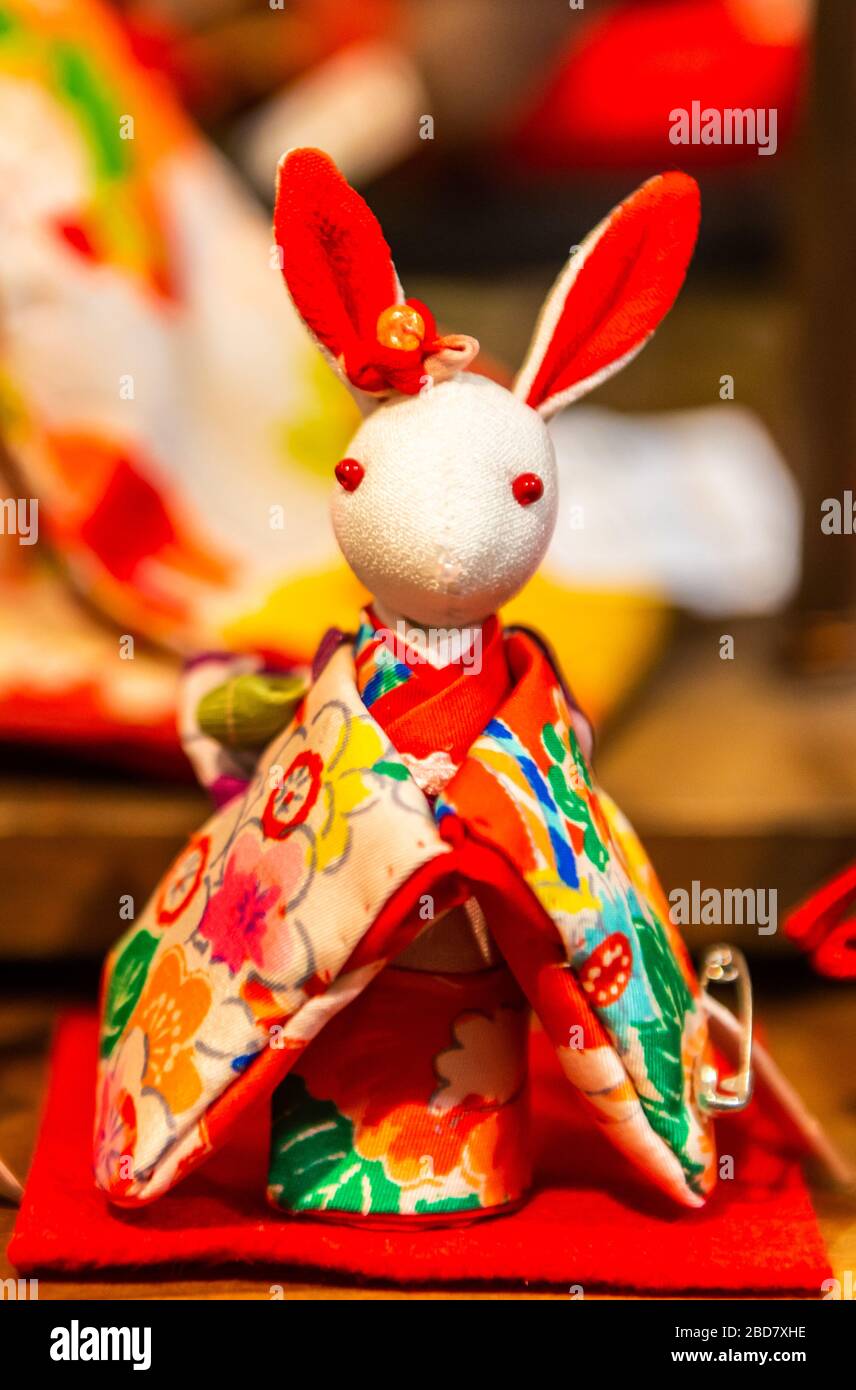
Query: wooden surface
[[743, 747], [809, 1026], [100, 840], [738, 773]]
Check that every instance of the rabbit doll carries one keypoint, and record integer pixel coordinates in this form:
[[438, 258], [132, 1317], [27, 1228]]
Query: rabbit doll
[[410, 852]]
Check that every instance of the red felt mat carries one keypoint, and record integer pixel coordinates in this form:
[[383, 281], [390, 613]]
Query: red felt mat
[[758, 1234]]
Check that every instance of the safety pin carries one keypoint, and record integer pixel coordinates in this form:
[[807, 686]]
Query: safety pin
[[723, 964]]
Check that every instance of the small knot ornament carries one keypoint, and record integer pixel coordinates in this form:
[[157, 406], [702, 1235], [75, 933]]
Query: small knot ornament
[[401, 327]]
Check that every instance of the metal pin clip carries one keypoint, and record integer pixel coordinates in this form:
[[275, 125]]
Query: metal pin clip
[[724, 964]]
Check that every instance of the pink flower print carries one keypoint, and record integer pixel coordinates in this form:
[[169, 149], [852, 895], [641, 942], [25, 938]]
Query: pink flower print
[[245, 918]]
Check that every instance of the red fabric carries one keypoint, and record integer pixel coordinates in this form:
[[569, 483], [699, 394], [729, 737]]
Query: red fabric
[[73, 722], [626, 285], [608, 102], [339, 272], [825, 926], [445, 707], [527, 937], [758, 1233]]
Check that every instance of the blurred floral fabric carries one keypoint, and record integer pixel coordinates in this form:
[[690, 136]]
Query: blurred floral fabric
[[156, 394], [160, 400]]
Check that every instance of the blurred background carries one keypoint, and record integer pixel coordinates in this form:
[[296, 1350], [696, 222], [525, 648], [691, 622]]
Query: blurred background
[[158, 398]]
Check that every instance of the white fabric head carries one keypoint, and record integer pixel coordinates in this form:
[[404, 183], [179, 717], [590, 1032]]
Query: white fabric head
[[434, 529]]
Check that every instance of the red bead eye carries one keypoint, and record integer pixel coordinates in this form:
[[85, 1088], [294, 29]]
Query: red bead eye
[[350, 474], [527, 488]]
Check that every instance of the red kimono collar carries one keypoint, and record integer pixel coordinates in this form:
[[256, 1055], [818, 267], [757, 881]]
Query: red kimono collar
[[426, 707]]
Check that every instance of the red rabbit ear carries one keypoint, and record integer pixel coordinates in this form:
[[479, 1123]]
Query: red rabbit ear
[[335, 261], [612, 293]]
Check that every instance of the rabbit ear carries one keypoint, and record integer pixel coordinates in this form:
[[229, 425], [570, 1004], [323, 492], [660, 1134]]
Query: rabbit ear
[[612, 293], [339, 273], [335, 261]]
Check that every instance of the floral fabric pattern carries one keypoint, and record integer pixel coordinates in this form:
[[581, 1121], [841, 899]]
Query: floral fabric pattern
[[528, 787], [415, 1103], [243, 959], [249, 932], [245, 919], [171, 1008]]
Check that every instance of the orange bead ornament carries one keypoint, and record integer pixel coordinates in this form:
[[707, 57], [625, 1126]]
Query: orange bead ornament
[[401, 327]]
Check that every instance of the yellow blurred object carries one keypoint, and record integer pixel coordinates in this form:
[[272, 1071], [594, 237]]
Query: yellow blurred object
[[606, 641], [295, 614]]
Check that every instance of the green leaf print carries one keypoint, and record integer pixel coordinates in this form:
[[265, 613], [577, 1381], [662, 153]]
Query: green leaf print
[[397, 771], [661, 1042], [125, 987], [471, 1203], [553, 744], [557, 751], [570, 802], [576, 808], [579, 758], [313, 1163]]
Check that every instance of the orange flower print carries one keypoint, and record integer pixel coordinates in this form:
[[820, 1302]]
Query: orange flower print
[[441, 1106], [171, 1009]]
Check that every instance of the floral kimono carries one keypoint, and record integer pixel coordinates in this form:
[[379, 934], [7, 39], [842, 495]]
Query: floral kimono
[[284, 951]]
